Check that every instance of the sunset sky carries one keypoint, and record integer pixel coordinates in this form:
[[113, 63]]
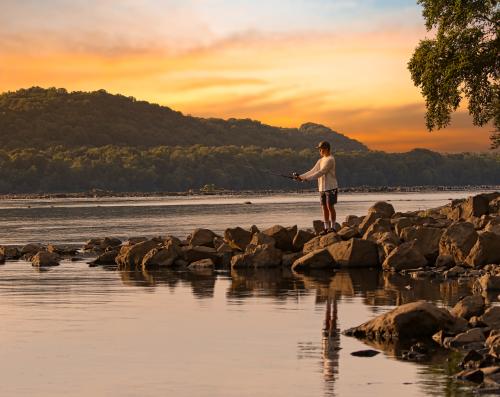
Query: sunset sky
[[341, 63]]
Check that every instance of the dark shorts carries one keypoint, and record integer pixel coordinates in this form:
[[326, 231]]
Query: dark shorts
[[329, 196]]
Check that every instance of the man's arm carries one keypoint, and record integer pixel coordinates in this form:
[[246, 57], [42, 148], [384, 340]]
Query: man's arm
[[314, 169], [320, 171]]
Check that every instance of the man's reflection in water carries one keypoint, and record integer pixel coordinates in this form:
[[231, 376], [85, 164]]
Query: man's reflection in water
[[331, 340]]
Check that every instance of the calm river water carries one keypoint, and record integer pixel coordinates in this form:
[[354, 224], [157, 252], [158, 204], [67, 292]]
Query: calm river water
[[73, 330]]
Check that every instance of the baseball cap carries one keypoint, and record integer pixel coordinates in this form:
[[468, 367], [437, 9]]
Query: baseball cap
[[323, 145]]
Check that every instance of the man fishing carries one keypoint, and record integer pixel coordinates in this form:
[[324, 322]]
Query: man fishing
[[324, 172]]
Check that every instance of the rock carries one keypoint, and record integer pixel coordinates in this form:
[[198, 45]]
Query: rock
[[469, 306], [485, 250], [318, 226], [261, 238], [489, 283], [355, 253], [101, 244], [2, 258], [412, 320], [62, 250], [161, 257], [352, 221], [312, 245], [348, 232], [108, 257], [445, 261], [203, 237], [282, 237], [29, 250], [454, 272], [254, 229], [44, 258], [471, 359], [475, 206], [494, 206], [426, 239], [458, 240], [131, 256], [301, 237], [288, 259], [471, 375], [368, 220], [292, 232], [386, 243], [224, 248], [383, 208], [320, 242], [402, 223], [491, 317], [193, 254], [380, 225], [474, 335], [406, 256], [9, 252], [260, 256], [319, 259], [202, 264], [238, 238], [365, 353], [493, 225]]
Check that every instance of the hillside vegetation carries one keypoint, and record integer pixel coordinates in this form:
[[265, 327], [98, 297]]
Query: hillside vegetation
[[164, 168], [43, 118]]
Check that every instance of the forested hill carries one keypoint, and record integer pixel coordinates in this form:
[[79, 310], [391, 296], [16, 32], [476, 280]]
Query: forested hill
[[43, 118]]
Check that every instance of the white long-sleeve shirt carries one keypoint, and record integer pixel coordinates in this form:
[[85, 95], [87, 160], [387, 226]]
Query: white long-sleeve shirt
[[324, 172]]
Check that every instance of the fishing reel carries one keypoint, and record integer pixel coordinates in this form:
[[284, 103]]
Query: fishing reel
[[295, 175]]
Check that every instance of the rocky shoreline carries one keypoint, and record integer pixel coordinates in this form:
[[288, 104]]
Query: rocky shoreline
[[98, 193], [460, 240]]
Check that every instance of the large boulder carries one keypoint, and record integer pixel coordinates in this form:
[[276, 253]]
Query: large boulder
[[320, 242], [458, 240], [281, 236], [486, 250], [355, 253], [319, 259], [426, 239], [383, 208], [265, 255], [348, 232], [131, 256], [401, 223], [493, 225], [472, 305], [162, 256], [300, 238], [416, 320], [406, 256], [203, 237], [237, 237], [352, 221], [386, 243], [45, 258], [475, 206]]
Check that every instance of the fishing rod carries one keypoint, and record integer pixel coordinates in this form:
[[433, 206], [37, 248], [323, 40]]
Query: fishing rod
[[293, 176]]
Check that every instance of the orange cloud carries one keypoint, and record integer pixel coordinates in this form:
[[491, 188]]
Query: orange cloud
[[356, 84]]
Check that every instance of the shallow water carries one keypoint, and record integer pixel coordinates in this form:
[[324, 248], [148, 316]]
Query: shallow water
[[75, 220], [79, 331]]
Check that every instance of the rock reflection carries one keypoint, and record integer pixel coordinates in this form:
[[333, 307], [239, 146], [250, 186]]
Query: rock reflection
[[202, 283]]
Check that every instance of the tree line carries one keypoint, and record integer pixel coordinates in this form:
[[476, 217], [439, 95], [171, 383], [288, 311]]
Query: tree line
[[180, 168]]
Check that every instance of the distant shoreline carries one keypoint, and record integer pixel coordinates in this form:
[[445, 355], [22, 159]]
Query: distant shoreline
[[197, 193]]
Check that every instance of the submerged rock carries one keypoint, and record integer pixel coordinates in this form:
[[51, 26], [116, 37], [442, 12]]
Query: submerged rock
[[410, 321], [45, 258]]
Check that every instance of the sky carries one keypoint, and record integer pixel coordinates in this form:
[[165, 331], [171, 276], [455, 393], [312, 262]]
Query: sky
[[341, 63]]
